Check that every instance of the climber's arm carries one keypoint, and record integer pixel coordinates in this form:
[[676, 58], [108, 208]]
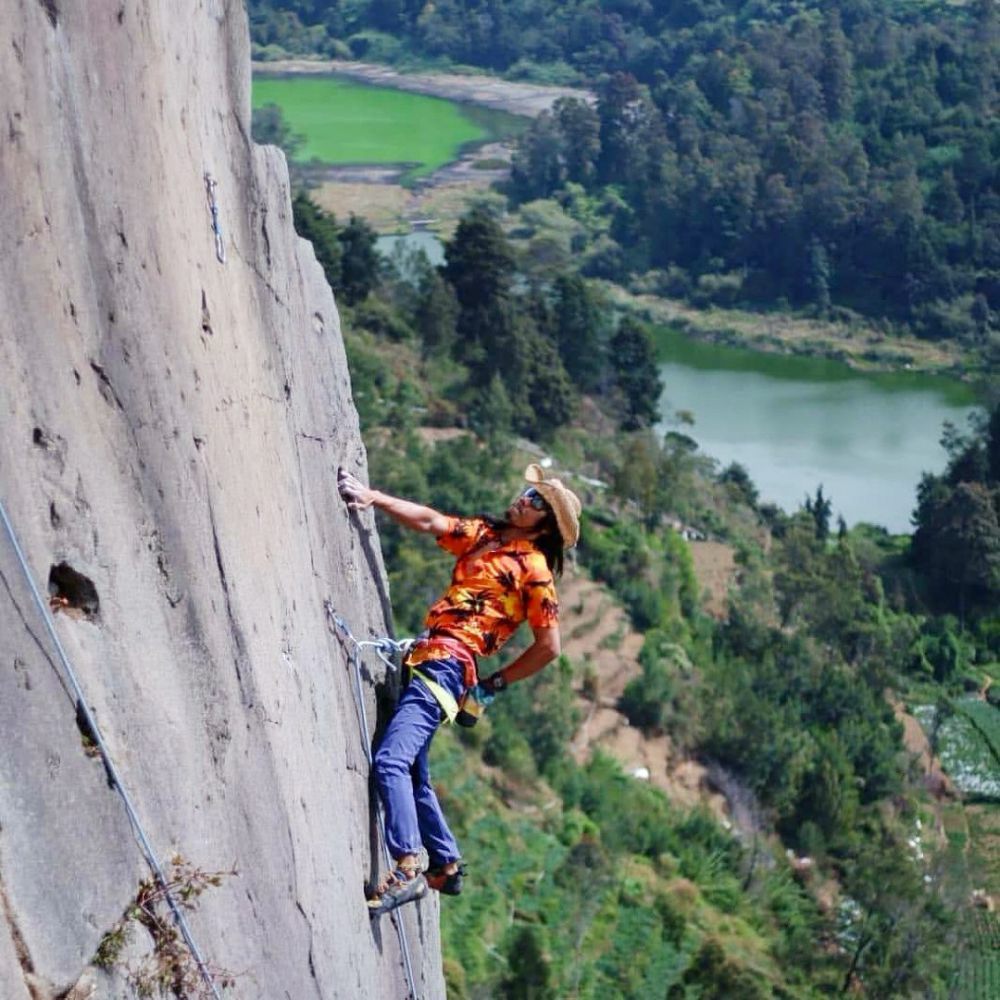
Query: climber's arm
[[411, 515], [539, 654]]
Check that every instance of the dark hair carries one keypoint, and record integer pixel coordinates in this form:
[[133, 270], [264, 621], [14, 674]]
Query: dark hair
[[549, 541]]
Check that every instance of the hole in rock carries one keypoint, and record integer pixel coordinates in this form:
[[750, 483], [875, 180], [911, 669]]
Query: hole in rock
[[71, 592], [206, 316]]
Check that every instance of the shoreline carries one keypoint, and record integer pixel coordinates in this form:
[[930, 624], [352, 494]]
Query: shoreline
[[529, 100], [863, 348]]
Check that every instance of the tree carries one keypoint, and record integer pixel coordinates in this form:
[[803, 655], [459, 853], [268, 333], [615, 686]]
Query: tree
[[538, 167], [945, 202], [714, 976], [269, 128], [621, 111], [993, 445], [480, 268], [549, 390], [579, 327], [835, 73], [359, 263], [830, 791], [986, 54], [491, 413], [820, 508], [899, 939], [819, 276], [637, 378], [479, 260], [581, 130], [980, 314], [528, 973], [436, 312], [320, 228], [737, 478], [957, 543]]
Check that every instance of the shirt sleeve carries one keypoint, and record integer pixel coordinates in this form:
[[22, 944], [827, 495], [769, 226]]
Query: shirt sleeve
[[460, 535], [540, 601]]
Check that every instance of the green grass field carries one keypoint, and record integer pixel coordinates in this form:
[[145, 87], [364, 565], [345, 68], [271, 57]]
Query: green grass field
[[979, 968], [343, 122]]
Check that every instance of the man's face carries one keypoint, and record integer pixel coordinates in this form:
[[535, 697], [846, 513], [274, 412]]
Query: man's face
[[528, 510]]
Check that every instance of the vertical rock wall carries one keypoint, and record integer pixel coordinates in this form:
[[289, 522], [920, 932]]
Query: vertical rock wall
[[171, 426]]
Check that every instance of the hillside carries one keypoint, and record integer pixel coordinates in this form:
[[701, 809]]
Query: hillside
[[836, 159], [713, 776]]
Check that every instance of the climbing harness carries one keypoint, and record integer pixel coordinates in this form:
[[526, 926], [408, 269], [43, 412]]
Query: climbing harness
[[114, 778], [213, 206], [385, 648]]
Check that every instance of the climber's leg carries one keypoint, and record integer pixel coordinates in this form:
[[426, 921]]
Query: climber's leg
[[434, 831], [410, 730]]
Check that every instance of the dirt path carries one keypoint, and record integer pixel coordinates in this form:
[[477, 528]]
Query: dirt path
[[528, 99], [715, 569], [915, 740]]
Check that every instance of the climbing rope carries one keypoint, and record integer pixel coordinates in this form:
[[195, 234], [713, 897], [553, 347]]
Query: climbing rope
[[213, 206], [114, 778], [385, 649]]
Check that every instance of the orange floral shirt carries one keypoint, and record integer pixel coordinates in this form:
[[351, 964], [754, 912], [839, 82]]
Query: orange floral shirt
[[492, 590]]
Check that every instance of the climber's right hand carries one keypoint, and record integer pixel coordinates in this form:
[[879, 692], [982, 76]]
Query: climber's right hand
[[354, 493]]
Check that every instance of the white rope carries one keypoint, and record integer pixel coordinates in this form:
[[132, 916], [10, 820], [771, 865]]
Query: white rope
[[114, 777], [213, 206], [385, 648]]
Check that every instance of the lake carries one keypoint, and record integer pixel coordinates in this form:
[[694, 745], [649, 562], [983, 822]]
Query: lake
[[797, 422], [343, 122], [408, 243]]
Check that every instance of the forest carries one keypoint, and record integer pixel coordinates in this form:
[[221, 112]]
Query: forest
[[840, 157]]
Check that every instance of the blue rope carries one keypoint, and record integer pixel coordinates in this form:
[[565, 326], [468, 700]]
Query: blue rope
[[114, 777], [385, 648]]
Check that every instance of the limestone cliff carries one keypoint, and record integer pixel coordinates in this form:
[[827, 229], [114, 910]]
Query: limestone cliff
[[171, 427]]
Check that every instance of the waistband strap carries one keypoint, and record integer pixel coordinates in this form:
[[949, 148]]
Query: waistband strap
[[452, 647]]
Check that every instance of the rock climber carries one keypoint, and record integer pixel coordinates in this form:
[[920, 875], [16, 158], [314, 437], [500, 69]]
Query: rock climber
[[504, 575]]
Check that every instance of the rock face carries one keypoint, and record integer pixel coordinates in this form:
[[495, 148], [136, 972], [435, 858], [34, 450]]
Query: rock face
[[171, 428]]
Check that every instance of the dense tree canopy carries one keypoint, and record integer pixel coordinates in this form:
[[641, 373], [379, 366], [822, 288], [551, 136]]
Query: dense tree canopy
[[840, 154], [957, 540]]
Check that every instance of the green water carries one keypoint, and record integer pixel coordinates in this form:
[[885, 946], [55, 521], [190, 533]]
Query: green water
[[798, 422], [343, 122]]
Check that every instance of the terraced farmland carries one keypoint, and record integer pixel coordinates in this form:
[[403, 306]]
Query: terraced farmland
[[979, 973], [968, 744]]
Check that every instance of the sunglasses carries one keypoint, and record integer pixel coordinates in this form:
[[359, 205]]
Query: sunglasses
[[535, 498]]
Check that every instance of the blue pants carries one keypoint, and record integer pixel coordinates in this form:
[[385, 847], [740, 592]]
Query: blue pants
[[413, 814]]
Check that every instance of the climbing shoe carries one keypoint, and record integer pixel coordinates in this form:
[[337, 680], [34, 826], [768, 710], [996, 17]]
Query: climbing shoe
[[398, 887], [449, 884]]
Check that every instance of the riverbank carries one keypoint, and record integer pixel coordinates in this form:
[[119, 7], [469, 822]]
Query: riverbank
[[860, 345], [526, 99]]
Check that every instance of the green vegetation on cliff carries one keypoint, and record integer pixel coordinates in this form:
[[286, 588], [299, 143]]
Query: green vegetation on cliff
[[584, 880]]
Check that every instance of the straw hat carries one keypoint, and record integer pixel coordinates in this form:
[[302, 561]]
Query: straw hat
[[564, 502]]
